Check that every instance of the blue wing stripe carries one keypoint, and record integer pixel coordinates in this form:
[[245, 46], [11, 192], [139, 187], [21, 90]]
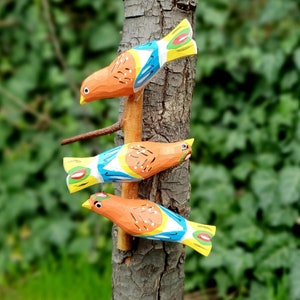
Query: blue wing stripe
[[150, 67], [112, 175], [171, 235]]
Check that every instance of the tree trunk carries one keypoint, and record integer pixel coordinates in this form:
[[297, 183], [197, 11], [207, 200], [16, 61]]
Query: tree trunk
[[154, 269]]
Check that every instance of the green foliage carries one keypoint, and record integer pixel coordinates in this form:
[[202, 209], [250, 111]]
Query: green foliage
[[245, 119], [62, 278], [245, 171], [43, 62]]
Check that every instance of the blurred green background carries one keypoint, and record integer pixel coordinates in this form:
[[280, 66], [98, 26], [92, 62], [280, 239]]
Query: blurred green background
[[245, 171]]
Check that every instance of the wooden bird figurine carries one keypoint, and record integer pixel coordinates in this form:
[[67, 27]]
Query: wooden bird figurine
[[126, 163], [143, 218], [132, 69]]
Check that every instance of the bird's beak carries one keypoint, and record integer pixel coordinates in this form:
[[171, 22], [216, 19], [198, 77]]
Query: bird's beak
[[190, 142], [86, 204], [82, 101]]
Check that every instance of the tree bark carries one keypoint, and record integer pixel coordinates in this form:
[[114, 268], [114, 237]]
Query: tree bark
[[154, 269]]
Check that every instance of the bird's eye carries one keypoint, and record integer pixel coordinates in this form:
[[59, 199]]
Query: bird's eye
[[86, 90], [184, 146], [97, 204]]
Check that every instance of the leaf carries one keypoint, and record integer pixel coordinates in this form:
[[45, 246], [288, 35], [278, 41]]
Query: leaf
[[283, 117], [289, 79], [275, 10], [271, 242], [278, 258], [238, 261], [59, 231], [248, 205], [215, 262], [80, 245], [265, 185], [191, 265], [267, 160], [223, 282], [295, 151], [249, 235], [235, 141], [294, 276], [214, 16], [242, 171], [281, 216], [270, 65], [6, 132], [75, 56], [214, 185], [103, 37], [297, 58], [289, 184], [258, 291]]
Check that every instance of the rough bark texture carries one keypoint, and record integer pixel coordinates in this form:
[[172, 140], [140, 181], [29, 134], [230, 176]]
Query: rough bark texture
[[153, 269]]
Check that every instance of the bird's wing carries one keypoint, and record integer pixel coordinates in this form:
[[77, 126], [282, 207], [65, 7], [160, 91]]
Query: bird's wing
[[172, 228], [148, 63], [111, 167]]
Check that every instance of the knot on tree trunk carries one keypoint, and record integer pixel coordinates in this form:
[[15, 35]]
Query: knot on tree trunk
[[186, 5]]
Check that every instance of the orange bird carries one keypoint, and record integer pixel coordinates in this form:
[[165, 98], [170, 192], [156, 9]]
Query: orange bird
[[133, 69], [145, 219], [126, 163]]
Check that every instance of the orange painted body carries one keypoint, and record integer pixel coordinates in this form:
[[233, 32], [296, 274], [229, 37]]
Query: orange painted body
[[143, 218], [134, 68], [135, 216], [127, 163], [149, 158], [112, 81]]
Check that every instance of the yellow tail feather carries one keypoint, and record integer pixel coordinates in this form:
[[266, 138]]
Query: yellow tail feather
[[199, 238], [72, 162], [180, 42]]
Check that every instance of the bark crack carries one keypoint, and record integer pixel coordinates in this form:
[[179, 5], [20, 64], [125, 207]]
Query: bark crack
[[161, 17], [159, 297]]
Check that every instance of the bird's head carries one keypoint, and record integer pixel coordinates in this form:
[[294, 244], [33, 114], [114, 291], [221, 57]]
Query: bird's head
[[115, 80], [172, 154], [96, 201], [82, 172], [186, 148], [95, 87], [182, 150]]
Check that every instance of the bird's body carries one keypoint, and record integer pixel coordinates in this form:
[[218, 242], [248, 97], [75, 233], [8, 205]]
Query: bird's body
[[126, 163], [143, 218], [132, 69]]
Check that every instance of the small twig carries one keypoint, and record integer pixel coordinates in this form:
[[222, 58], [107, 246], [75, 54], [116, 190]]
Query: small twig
[[103, 131], [20, 103], [8, 22], [41, 117], [57, 46]]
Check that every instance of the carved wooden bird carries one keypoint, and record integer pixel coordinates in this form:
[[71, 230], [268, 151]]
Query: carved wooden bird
[[143, 218], [132, 69], [126, 163]]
